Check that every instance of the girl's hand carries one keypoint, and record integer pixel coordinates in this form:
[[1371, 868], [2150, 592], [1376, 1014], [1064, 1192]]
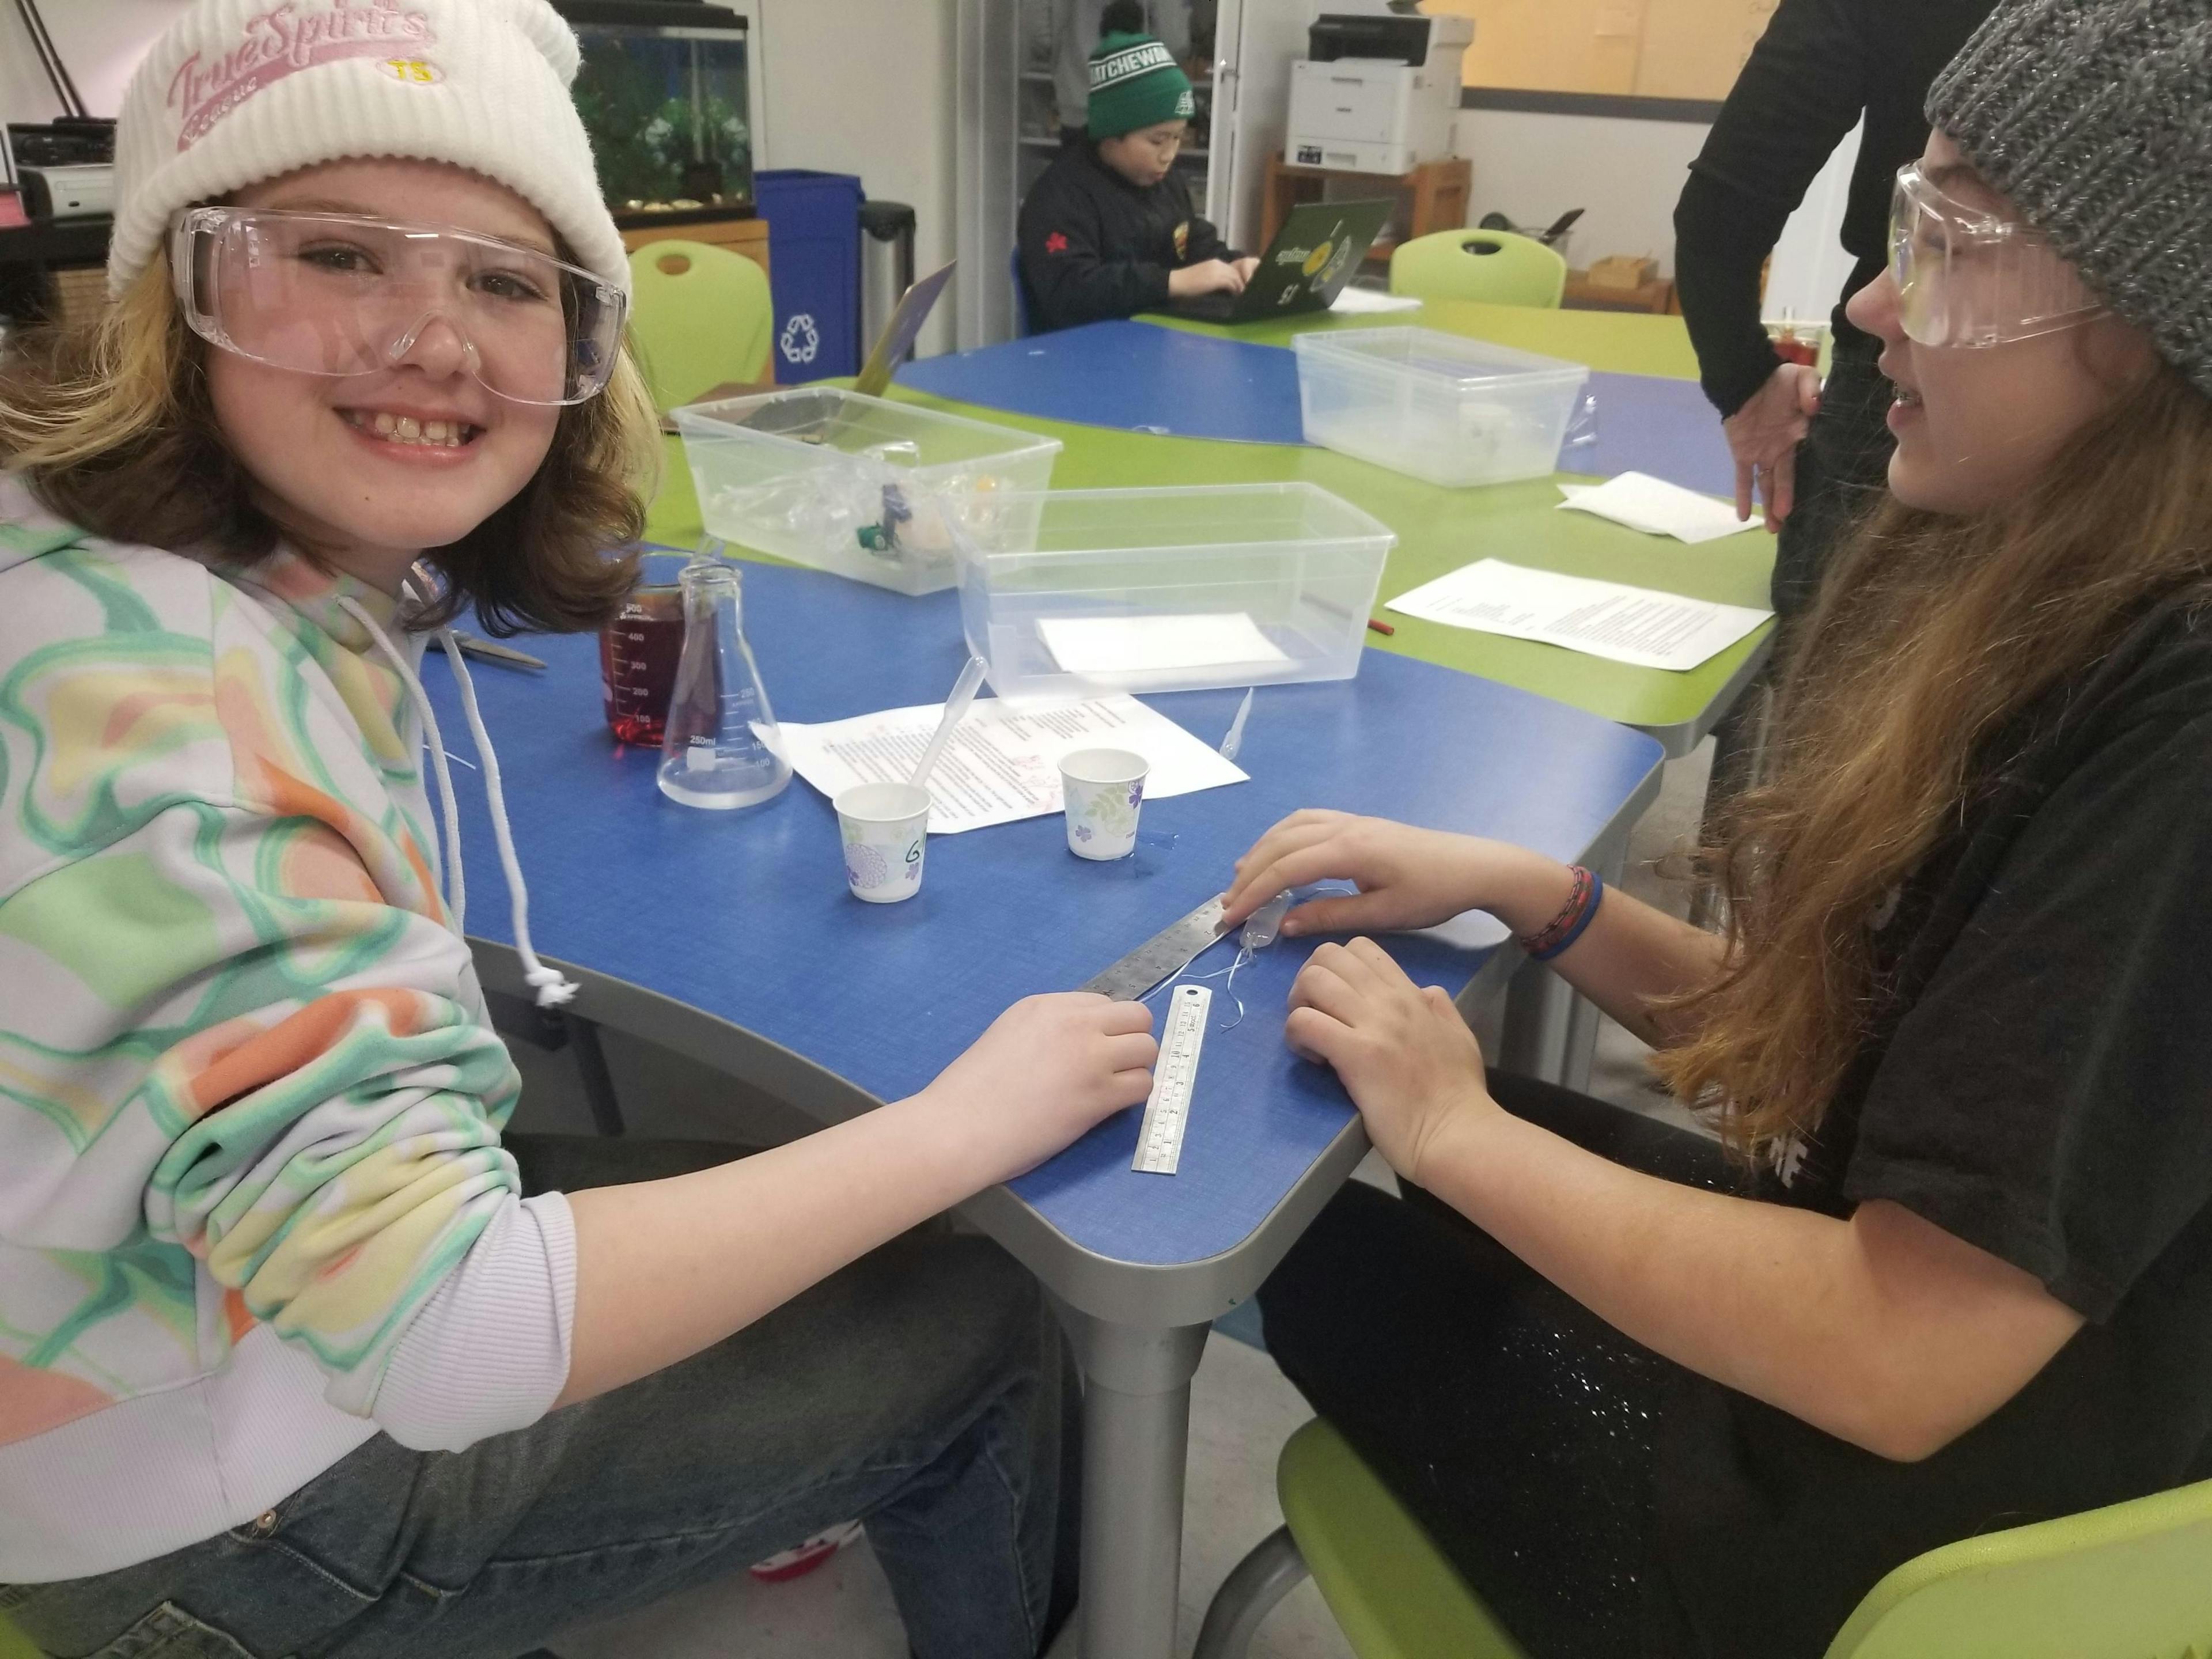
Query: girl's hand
[[1411, 1065], [1046, 1071], [1407, 877], [1247, 267]]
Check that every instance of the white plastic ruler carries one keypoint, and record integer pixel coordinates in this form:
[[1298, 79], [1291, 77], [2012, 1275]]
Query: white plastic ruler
[[1160, 1141]]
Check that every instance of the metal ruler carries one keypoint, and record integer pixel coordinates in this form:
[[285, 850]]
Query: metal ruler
[[1159, 1141], [1168, 951]]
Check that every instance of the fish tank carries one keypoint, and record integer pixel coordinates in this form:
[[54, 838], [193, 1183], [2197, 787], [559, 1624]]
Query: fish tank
[[662, 91]]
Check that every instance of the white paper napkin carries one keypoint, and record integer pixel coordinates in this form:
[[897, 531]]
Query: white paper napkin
[[1657, 507]]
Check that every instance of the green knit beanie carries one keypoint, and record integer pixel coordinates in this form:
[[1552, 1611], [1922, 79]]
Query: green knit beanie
[[1136, 83]]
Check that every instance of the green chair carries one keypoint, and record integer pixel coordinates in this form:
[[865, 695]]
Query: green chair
[[1494, 266], [2133, 1581], [701, 315], [13, 1644]]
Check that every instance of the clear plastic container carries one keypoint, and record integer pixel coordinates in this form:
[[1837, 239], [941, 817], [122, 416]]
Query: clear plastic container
[[860, 486], [1451, 411], [1175, 590]]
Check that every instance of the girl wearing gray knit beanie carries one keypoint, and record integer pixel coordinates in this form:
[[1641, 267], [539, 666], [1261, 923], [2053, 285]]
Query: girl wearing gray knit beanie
[[1959, 1274]]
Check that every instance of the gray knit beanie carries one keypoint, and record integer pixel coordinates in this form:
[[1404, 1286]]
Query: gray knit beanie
[[2095, 118]]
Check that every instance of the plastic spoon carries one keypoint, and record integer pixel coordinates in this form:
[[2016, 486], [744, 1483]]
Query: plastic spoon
[[963, 693]]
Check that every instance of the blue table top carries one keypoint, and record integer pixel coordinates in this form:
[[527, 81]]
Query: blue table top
[[745, 915], [1138, 378]]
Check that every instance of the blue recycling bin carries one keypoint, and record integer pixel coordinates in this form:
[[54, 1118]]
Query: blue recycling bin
[[814, 271]]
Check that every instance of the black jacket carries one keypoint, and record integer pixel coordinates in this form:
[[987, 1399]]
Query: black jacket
[[1820, 65], [1095, 246]]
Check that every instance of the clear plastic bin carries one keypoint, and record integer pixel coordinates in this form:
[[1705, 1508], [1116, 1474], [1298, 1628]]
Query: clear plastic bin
[[1175, 590], [1451, 411], [860, 486]]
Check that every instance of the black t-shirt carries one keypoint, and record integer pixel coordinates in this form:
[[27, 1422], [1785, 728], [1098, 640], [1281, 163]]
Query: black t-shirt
[[2040, 1084], [1818, 67], [1095, 246]]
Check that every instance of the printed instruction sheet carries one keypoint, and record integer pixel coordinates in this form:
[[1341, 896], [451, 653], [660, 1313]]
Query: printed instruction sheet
[[1600, 619], [1003, 762]]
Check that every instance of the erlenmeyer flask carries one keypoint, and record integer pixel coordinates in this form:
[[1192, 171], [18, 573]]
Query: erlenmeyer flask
[[721, 747]]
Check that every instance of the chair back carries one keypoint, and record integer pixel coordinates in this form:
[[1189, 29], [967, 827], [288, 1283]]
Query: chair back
[[1393, 1593], [1495, 267], [701, 315], [2131, 1581]]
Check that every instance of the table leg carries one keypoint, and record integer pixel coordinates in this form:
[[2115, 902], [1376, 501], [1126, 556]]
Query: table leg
[[1136, 1429]]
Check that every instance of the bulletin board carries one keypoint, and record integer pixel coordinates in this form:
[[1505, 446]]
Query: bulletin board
[[1689, 49]]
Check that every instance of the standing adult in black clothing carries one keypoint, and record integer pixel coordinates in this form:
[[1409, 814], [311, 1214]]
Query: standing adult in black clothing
[[1653, 1403], [1108, 229], [1820, 65]]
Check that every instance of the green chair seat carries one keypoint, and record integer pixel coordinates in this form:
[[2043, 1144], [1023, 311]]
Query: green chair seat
[[700, 316], [2131, 1581], [1494, 267], [13, 1644]]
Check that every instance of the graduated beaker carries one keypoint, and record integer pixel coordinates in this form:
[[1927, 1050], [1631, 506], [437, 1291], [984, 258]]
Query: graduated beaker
[[638, 654], [721, 748]]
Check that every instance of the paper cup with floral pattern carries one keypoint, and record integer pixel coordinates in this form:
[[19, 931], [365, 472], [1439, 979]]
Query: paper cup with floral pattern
[[885, 827], [1102, 790]]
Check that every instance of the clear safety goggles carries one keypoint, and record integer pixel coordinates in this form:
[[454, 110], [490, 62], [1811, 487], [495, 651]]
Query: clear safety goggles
[[337, 293], [1967, 276]]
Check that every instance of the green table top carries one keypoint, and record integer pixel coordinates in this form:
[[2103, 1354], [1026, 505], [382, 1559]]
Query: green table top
[[1440, 530], [1618, 342]]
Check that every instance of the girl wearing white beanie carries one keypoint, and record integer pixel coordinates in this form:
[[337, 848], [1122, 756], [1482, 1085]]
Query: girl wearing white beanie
[[298, 1354]]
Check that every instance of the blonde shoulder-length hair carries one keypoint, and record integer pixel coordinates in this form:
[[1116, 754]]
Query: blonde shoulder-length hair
[[1931, 639], [111, 425]]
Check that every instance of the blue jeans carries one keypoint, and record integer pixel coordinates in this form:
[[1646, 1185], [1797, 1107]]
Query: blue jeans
[[926, 1389]]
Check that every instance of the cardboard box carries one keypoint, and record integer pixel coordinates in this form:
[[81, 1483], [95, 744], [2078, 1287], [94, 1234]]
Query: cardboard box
[[1623, 270]]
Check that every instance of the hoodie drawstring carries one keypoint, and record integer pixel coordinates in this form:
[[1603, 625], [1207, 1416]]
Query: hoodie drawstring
[[551, 985]]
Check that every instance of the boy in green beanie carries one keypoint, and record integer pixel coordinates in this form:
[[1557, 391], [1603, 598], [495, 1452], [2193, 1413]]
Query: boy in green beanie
[[1108, 230]]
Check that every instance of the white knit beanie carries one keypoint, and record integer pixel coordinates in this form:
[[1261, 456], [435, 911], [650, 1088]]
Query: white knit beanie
[[238, 91]]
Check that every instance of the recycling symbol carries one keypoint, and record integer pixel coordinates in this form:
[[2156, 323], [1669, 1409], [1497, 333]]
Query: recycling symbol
[[801, 339]]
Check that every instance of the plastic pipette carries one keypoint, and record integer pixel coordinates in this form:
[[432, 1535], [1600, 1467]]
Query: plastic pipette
[[1235, 738], [963, 693]]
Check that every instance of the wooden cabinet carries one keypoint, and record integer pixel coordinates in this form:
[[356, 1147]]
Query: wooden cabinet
[[745, 236]]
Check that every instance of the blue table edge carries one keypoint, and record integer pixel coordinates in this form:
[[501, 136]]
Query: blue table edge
[[1158, 1294]]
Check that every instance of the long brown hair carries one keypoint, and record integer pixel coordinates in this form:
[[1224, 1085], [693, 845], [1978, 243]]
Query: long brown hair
[[1930, 639], [111, 424]]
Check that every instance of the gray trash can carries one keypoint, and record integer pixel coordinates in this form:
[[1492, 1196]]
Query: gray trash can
[[886, 265]]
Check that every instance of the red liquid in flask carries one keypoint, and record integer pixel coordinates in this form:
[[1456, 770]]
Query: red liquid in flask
[[638, 654]]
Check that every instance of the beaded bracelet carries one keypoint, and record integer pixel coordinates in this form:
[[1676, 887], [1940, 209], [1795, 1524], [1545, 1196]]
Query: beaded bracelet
[[1563, 929]]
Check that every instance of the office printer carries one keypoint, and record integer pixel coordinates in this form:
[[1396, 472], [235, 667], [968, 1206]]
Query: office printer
[[66, 168], [1375, 91]]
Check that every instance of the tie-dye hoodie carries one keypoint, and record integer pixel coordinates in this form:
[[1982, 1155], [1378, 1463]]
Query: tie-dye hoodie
[[254, 1206]]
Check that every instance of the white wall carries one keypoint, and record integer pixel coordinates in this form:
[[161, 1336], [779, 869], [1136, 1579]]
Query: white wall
[[866, 87], [1625, 175], [100, 42]]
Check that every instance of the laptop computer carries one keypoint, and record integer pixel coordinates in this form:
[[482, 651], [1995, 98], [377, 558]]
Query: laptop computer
[[1313, 256]]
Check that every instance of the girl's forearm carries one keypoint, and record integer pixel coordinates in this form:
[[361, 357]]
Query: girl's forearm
[[1628, 956], [1883, 1330], [664, 1268]]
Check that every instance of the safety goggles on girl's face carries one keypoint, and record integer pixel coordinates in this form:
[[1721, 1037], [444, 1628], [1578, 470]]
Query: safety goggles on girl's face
[[1968, 277], [339, 293]]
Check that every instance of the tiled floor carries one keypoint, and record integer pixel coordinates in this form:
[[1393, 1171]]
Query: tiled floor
[[1242, 1411]]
